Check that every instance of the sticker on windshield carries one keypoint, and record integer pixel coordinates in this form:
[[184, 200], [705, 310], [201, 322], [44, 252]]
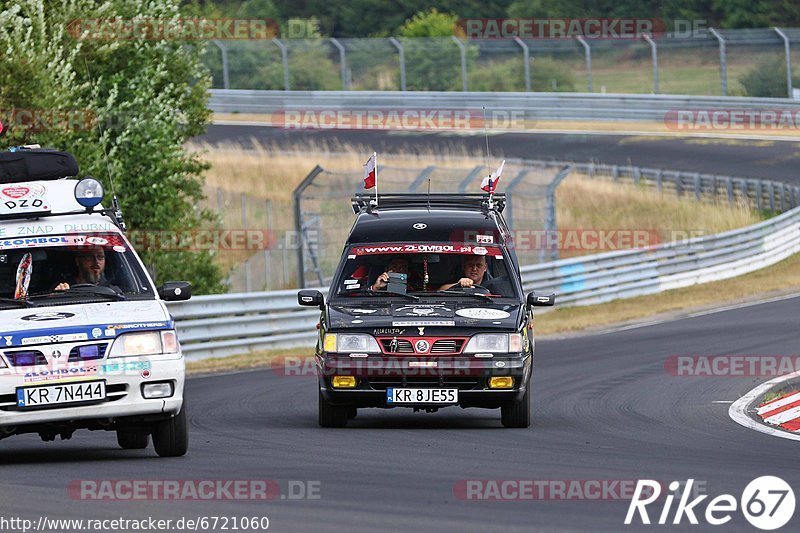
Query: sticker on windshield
[[424, 248], [482, 314], [484, 239]]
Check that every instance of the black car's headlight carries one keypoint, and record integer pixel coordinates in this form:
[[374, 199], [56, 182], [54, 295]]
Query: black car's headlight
[[494, 343], [350, 342]]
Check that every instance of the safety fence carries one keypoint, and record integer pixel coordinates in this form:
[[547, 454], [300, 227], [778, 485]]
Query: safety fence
[[704, 61]]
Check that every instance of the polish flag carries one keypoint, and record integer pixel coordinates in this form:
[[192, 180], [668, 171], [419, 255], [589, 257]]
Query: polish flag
[[370, 171], [489, 183]]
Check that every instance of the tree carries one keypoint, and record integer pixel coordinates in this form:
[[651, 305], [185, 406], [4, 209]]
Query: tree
[[149, 96]]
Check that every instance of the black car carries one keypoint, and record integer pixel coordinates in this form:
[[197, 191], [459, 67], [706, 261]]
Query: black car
[[426, 310]]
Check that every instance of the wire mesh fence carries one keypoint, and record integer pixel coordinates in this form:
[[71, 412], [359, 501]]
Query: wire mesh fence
[[323, 213], [700, 63]]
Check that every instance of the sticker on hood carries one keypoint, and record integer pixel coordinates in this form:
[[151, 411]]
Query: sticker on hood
[[48, 315], [482, 314]]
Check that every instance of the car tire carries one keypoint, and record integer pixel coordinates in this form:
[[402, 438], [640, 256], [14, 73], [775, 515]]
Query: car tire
[[332, 416], [517, 414], [171, 437], [352, 412], [132, 440]]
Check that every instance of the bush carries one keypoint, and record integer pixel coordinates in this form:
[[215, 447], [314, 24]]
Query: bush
[[767, 79]]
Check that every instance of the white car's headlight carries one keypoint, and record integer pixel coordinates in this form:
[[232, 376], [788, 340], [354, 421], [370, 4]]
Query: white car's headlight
[[494, 343], [144, 343], [351, 342]]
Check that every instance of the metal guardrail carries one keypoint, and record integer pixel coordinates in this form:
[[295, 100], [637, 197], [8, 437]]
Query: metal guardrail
[[523, 107], [220, 325]]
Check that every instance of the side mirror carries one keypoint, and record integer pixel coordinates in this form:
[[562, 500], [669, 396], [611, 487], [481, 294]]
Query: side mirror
[[175, 291], [311, 298], [535, 300]]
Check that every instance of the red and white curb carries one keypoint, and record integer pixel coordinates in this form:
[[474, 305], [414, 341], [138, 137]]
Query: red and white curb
[[783, 411], [779, 417]]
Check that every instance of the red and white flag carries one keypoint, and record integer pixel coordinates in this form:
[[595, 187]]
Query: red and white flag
[[371, 171], [489, 183]]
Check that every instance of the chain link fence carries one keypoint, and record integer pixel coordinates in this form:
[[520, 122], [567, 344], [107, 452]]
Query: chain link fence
[[706, 63], [323, 213]]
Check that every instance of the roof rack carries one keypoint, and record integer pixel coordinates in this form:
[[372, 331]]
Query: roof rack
[[363, 202]]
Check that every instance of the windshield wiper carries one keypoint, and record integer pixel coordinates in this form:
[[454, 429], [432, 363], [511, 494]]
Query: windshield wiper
[[18, 303], [488, 297], [377, 293], [105, 292]]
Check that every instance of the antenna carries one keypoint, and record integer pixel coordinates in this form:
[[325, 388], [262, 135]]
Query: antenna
[[429, 194], [486, 136], [114, 200]]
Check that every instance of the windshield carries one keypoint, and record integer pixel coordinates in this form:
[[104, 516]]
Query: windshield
[[425, 270], [71, 266]]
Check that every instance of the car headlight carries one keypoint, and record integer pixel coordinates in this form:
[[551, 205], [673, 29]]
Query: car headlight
[[494, 343], [144, 343], [350, 342]]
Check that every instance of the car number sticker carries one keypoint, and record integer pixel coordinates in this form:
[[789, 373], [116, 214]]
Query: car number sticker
[[482, 314]]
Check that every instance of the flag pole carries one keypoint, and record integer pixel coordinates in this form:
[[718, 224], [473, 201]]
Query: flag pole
[[375, 155]]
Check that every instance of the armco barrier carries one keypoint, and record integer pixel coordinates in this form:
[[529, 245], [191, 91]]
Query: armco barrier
[[528, 107], [219, 325]]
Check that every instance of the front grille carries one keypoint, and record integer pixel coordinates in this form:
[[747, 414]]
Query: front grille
[[26, 358], [406, 346], [457, 382], [87, 352], [447, 346], [402, 346]]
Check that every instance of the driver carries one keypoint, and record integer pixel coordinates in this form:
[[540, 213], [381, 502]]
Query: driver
[[91, 264], [474, 273]]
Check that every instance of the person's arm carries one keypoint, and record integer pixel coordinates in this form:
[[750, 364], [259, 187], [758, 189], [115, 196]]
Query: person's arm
[[463, 282], [381, 282]]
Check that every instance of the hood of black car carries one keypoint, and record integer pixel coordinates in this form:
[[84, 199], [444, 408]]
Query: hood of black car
[[388, 318]]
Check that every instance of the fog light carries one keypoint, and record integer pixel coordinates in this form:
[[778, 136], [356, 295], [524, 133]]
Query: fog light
[[343, 382], [157, 390], [501, 382]]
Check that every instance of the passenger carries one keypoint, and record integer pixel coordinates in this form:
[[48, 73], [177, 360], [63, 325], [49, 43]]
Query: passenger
[[397, 265], [474, 268]]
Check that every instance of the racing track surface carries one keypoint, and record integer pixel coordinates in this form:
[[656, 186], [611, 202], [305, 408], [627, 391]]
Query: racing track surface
[[604, 408], [777, 160]]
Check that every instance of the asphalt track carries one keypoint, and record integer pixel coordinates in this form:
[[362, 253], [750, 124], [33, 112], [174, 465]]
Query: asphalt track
[[778, 160], [604, 409]]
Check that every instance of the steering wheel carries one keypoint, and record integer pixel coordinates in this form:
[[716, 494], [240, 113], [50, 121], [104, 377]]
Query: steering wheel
[[459, 288], [82, 285]]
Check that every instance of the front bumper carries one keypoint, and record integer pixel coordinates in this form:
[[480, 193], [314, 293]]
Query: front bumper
[[124, 378], [469, 375]]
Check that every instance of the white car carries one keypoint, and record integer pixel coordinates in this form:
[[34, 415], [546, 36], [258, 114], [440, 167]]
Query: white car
[[86, 341]]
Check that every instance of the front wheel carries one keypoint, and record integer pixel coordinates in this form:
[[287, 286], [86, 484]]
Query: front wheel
[[332, 416], [517, 414], [171, 437]]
